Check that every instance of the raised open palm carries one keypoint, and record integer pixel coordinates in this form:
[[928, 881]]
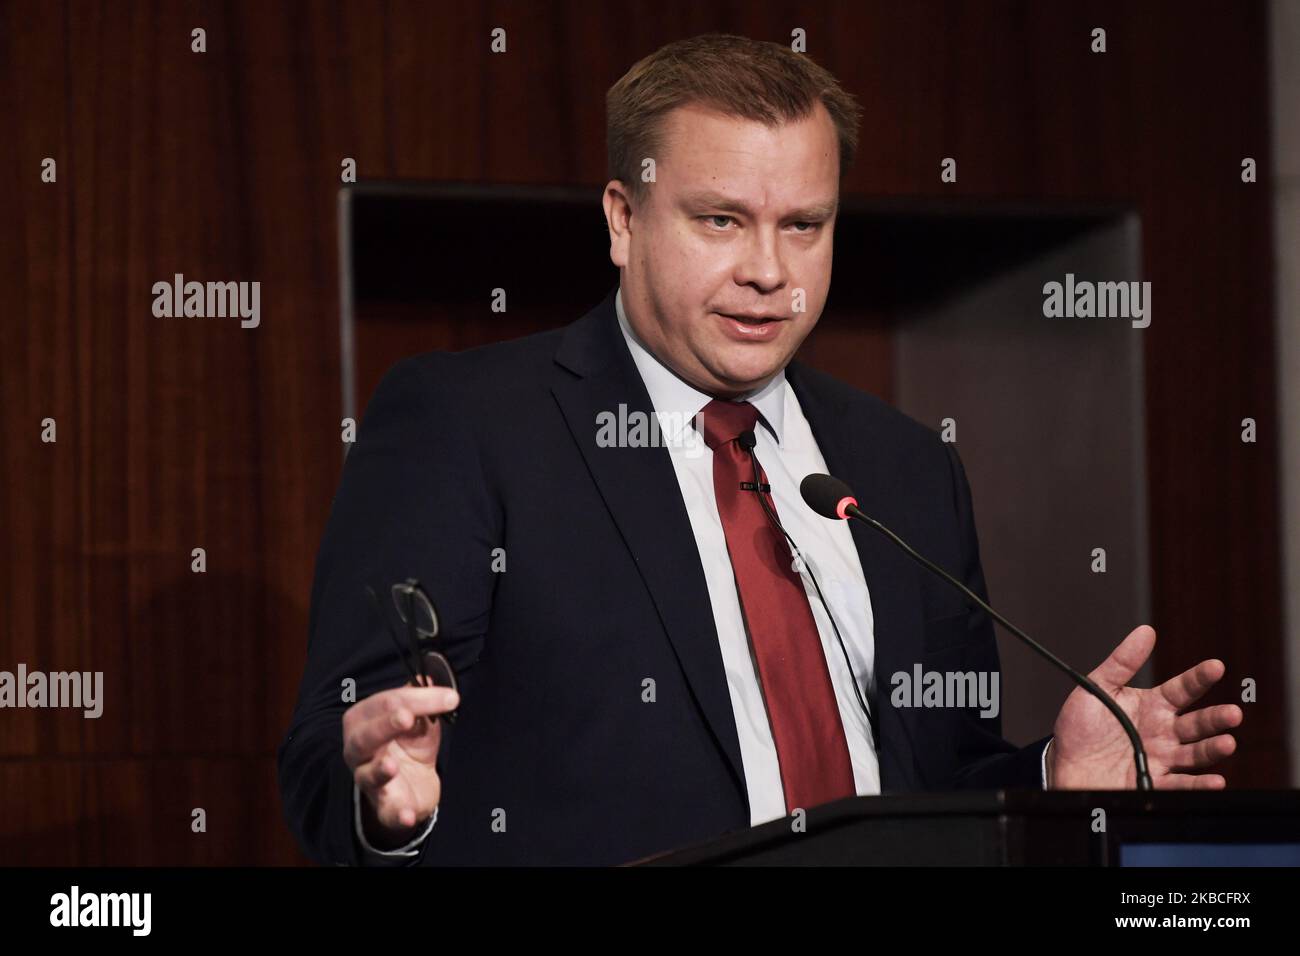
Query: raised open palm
[[1091, 751]]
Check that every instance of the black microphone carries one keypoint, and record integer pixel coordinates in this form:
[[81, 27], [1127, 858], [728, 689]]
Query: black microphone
[[748, 442], [832, 498]]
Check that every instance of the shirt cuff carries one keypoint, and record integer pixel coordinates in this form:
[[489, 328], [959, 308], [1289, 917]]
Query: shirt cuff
[[1045, 749], [410, 849]]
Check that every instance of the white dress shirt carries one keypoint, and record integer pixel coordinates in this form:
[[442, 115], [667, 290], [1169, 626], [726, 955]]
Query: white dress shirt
[[787, 452]]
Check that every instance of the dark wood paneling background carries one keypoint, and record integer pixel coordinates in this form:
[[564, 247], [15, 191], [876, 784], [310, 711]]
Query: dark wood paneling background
[[183, 433]]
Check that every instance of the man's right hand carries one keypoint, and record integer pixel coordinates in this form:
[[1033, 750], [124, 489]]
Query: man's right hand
[[390, 743]]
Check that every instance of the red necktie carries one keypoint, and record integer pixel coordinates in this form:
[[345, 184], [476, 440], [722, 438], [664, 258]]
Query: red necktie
[[801, 707]]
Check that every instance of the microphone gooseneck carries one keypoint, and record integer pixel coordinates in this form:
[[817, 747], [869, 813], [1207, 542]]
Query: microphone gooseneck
[[833, 499]]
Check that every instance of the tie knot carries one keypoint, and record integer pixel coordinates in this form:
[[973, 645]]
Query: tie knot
[[724, 421]]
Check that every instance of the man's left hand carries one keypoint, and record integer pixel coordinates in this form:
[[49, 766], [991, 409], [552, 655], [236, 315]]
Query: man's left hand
[[1090, 750]]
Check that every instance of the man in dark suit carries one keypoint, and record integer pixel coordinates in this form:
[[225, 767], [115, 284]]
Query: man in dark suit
[[599, 514]]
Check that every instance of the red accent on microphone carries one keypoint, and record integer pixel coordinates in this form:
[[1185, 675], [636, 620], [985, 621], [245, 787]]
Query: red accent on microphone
[[842, 508]]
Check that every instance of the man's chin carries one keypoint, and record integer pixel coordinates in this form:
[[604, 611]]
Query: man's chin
[[746, 376]]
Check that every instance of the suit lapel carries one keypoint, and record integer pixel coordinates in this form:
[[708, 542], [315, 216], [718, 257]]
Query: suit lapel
[[850, 443], [639, 487]]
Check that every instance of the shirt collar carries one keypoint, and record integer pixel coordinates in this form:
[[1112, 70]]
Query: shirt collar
[[677, 402]]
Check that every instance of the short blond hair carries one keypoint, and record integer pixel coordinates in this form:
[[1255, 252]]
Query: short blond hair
[[751, 79]]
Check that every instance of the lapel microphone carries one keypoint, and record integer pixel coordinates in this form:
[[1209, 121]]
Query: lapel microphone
[[747, 441], [832, 498]]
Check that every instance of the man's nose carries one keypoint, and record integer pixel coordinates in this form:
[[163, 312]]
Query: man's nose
[[761, 264]]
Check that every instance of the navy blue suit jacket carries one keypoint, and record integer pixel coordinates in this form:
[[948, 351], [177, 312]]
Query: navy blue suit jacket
[[463, 453]]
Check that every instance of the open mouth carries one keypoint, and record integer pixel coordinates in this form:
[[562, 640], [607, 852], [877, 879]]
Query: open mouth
[[751, 320], [749, 327]]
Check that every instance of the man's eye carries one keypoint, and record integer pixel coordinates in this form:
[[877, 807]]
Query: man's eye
[[720, 222]]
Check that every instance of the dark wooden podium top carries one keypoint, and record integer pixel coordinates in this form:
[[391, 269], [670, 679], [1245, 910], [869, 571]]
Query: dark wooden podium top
[[1002, 827]]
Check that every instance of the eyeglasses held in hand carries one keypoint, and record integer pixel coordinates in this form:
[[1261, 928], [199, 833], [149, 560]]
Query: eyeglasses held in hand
[[427, 667]]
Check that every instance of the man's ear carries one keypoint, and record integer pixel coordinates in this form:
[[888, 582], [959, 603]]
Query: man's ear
[[618, 219]]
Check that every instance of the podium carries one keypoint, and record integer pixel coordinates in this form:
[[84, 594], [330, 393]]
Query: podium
[[1021, 828]]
